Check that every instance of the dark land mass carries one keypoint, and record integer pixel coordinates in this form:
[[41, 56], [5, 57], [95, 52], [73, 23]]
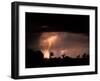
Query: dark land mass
[[35, 59]]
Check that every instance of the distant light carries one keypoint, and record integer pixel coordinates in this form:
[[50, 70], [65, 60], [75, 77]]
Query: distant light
[[44, 26]]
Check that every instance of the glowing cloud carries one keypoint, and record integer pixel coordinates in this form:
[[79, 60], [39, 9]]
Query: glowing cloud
[[63, 43], [46, 42]]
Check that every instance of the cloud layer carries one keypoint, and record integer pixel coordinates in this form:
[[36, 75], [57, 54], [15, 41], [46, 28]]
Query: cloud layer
[[70, 44]]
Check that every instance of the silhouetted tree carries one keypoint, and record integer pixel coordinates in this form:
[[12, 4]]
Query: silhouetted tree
[[33, 58], [63, 55], [51, 54], [84, 55], [78, 56]]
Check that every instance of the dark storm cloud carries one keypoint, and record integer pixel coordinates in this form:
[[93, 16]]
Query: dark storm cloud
[[43, 22]]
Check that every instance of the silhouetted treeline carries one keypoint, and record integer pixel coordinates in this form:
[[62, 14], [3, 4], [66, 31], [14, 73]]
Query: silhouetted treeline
[[35, 59]]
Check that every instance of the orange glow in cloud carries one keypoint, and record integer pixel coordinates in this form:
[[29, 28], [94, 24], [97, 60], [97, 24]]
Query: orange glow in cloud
[[63, 44], [46, 42]]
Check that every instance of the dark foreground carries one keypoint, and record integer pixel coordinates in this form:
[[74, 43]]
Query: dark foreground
[[35, 59]]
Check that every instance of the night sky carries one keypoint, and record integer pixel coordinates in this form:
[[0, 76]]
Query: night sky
[[57, 33]]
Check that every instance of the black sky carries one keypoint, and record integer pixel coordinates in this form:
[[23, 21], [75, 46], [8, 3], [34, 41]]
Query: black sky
[[57, 22]]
